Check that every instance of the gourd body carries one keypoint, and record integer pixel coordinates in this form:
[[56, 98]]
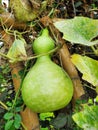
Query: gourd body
[[46, 87]]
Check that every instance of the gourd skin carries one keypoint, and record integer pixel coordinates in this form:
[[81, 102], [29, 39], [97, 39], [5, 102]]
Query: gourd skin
[[46, 87], [43, 43]]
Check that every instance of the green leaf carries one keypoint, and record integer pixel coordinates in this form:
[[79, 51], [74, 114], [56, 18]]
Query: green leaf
[[17, 121], [44, 128], [8, 115], [59, 121], [80, 30], [21, 73], [18, 109], [88, 67], [87, 118], [8, 125], [47, 115], [17, 51]]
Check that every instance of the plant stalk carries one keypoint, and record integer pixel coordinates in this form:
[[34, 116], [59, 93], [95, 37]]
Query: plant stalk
[[3, 105]]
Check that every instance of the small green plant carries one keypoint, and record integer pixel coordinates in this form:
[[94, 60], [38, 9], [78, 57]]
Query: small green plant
[[4, 96], [11, 104], [12, 117], [13, 121]]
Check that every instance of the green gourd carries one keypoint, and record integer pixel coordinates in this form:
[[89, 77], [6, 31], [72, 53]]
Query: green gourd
[[46, 87]]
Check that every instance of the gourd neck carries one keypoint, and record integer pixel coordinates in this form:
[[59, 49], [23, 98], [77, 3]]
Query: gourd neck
[[44, 58]]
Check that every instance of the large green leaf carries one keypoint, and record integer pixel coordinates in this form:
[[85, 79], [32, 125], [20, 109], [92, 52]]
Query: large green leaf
[[88, 67], [80, 30], [87, 118]]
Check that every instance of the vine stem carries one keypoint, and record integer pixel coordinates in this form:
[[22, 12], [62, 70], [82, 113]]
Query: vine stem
[[32, 57], [94, 50], [23, 126], [18, 91], [89, 87], [16, 96], [3, 105], [4, 56], [43, 54]]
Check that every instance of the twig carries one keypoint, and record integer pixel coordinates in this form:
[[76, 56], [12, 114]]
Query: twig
[[74, 7], [90, 87], [93, 10], [94, 50], [9, 20], [24, 127], [5, 56], [3, 105]]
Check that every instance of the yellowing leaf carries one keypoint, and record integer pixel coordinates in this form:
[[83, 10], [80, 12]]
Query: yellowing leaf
[[80, 30], [87, 118], [17, 51], [88, 67]]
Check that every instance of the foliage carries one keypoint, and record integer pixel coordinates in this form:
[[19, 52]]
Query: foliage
[[4, 73], [13, 121], [12, 117], [60, 121], [88, 67], [23, 11], [48, 116], [80, 30], [4, 90], [87, 118], [17, 51], [10, 107], [57, 122]]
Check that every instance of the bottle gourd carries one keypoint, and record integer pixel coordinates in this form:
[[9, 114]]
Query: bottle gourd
[[46, 87]]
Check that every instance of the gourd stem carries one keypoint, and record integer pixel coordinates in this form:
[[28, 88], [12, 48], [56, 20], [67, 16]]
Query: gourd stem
[[45, 32]]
